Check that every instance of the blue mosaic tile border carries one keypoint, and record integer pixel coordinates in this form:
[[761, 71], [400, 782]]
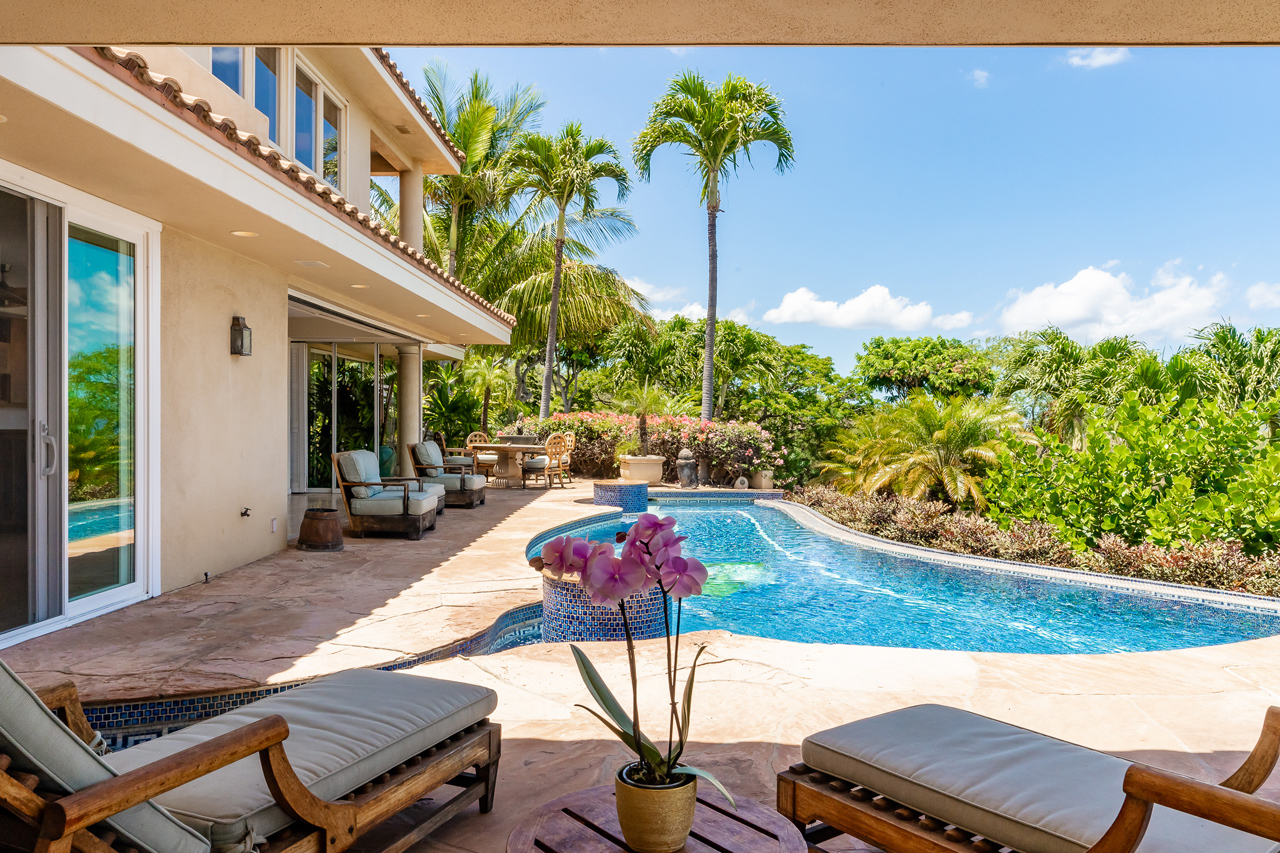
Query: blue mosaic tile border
[[631, 497], [126, 724], [1078, 577], [568, 616], [700, 496], [534, 548]]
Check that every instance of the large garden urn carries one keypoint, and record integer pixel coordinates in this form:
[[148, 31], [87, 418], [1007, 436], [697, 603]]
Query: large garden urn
[[762, 480], [646, 469]]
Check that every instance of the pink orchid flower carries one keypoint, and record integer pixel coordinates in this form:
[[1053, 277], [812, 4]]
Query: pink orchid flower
[[649, 525], [683, 577], [609, 579], [665, 546], [565, 555]]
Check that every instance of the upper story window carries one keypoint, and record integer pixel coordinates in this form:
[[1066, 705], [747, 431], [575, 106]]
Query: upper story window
[[266, 86], [228, 66], [317, 133]]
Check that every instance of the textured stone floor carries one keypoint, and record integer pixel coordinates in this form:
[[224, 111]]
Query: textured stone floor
[[296, 614], [1196, 711]]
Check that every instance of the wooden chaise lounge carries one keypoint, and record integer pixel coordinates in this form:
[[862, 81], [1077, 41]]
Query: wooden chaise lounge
[[337, 757], [460, 489], [377, 504], [933, 779]]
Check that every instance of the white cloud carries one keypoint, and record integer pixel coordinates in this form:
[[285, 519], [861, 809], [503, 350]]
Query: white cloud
[[653, 292], [953, 321], [1096, 304], [1111, 263], [741, 314], [1097, 57], [875, 307], [692, 310], [680, 50], [980, 78], [1263, 295]]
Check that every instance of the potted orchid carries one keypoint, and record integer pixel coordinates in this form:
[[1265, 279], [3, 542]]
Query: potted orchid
[[656, 793]]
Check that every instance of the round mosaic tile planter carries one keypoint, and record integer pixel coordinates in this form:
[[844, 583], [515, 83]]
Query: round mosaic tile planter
[[568, 616], [627, 495]]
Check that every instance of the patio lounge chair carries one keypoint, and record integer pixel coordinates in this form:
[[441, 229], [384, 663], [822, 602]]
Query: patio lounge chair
[[337, 756], [393, 505], [933, 779], [547, 465], [456, 462], [465, 490]]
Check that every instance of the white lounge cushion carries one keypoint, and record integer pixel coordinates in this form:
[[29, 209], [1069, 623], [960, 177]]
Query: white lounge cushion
[[344, 730], [536, 463], [427, 453], [1027, 791], [487, 458], [391, 502], [459, 461], [360, 466], [457, 482], [40, 744]]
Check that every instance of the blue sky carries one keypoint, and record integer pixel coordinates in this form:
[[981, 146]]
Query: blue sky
[[967, 192]]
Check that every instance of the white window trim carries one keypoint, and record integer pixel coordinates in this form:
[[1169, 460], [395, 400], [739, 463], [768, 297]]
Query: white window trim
[[325, 90], [90, 211]]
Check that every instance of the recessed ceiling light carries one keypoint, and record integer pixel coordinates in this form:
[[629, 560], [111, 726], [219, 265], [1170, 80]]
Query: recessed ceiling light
[[312, 264], [244, 233], [3, 119], [360, 286], [424, 315]]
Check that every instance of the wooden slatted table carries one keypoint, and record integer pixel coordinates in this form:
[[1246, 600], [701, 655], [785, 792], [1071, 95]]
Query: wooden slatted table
[[587, 822]]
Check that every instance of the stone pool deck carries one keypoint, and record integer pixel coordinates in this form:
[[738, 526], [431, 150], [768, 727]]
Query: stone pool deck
[[297, 615], [1195, 711]]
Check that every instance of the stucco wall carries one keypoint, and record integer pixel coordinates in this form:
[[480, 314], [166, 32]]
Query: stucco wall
[[224, 439]]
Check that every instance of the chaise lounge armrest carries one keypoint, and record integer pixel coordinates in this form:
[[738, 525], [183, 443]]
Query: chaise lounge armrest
[[63, 699], [1146, 787]]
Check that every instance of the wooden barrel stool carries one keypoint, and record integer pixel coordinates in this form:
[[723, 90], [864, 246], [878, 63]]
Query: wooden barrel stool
[[321, 530]]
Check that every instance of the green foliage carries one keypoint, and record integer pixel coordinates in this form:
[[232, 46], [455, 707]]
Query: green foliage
[[449, 403], [100, 416], [941, 366], [924, 447], [1171, 472]]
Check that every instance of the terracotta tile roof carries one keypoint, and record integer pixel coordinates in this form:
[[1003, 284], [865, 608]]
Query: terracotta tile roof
[[132, 67], [391, 66]]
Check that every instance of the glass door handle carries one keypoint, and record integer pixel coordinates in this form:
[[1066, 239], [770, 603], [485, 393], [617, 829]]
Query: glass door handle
[[50, 447]]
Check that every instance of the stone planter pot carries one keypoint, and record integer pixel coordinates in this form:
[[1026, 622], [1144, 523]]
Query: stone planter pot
[[645, 468], [762, 479], [655, 819]]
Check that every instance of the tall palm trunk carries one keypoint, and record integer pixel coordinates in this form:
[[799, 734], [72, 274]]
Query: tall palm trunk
[[709, 356], [643, 429], [453, 242], [544, 410]]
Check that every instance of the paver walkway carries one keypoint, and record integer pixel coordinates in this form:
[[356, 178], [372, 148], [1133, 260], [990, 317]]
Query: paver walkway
[[297, 614]]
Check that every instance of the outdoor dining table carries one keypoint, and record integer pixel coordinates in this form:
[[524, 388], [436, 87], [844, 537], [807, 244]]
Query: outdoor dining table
[[508, 460]]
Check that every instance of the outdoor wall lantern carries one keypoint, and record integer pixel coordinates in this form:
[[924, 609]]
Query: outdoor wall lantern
[[241, 337]]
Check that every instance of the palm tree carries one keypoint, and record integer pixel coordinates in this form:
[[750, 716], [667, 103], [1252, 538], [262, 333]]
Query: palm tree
[[563, 172], [1237, 366], [716, 125], [486, 375], [643, 401], [924, 446], [483, 124]]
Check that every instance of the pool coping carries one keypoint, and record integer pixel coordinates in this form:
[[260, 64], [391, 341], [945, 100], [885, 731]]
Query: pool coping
[[819, 523]]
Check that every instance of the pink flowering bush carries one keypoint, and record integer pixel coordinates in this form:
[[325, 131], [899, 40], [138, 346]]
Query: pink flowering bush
[[733, 448], [651, 557]]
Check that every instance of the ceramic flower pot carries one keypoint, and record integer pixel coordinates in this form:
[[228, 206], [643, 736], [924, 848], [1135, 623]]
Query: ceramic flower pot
[[762, 479], [646, 468], [655, 818]]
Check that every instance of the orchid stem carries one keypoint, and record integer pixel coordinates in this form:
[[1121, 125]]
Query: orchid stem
[[635, 687]]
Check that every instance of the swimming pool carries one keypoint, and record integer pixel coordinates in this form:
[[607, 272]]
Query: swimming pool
[[772, 577], [96, 518]]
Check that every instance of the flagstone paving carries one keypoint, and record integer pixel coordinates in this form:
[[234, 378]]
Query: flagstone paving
[[1195, 711], [297, 615]]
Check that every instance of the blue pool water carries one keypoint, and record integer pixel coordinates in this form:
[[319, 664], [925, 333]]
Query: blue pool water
[[95, 518], [772, 577]]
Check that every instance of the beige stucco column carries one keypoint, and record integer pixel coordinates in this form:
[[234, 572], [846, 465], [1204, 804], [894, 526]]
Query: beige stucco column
[[409, 381], [411, 205]]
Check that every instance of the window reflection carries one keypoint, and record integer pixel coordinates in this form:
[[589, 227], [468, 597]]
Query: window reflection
[[100, 412], [304, 127], [265, 86]]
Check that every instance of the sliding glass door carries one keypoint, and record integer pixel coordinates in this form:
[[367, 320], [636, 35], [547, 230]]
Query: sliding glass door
[[101, 282]]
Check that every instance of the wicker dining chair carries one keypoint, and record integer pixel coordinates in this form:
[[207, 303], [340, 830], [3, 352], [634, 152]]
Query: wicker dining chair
[[485, 461], [546, 465], [566, 461]]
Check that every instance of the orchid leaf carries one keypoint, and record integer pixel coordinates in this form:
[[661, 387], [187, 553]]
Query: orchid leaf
[[605, 699], [687, 704], [686, 770], [650, 752]]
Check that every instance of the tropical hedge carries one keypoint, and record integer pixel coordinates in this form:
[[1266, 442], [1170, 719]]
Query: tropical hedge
[[733, 448], [1211, 563]]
